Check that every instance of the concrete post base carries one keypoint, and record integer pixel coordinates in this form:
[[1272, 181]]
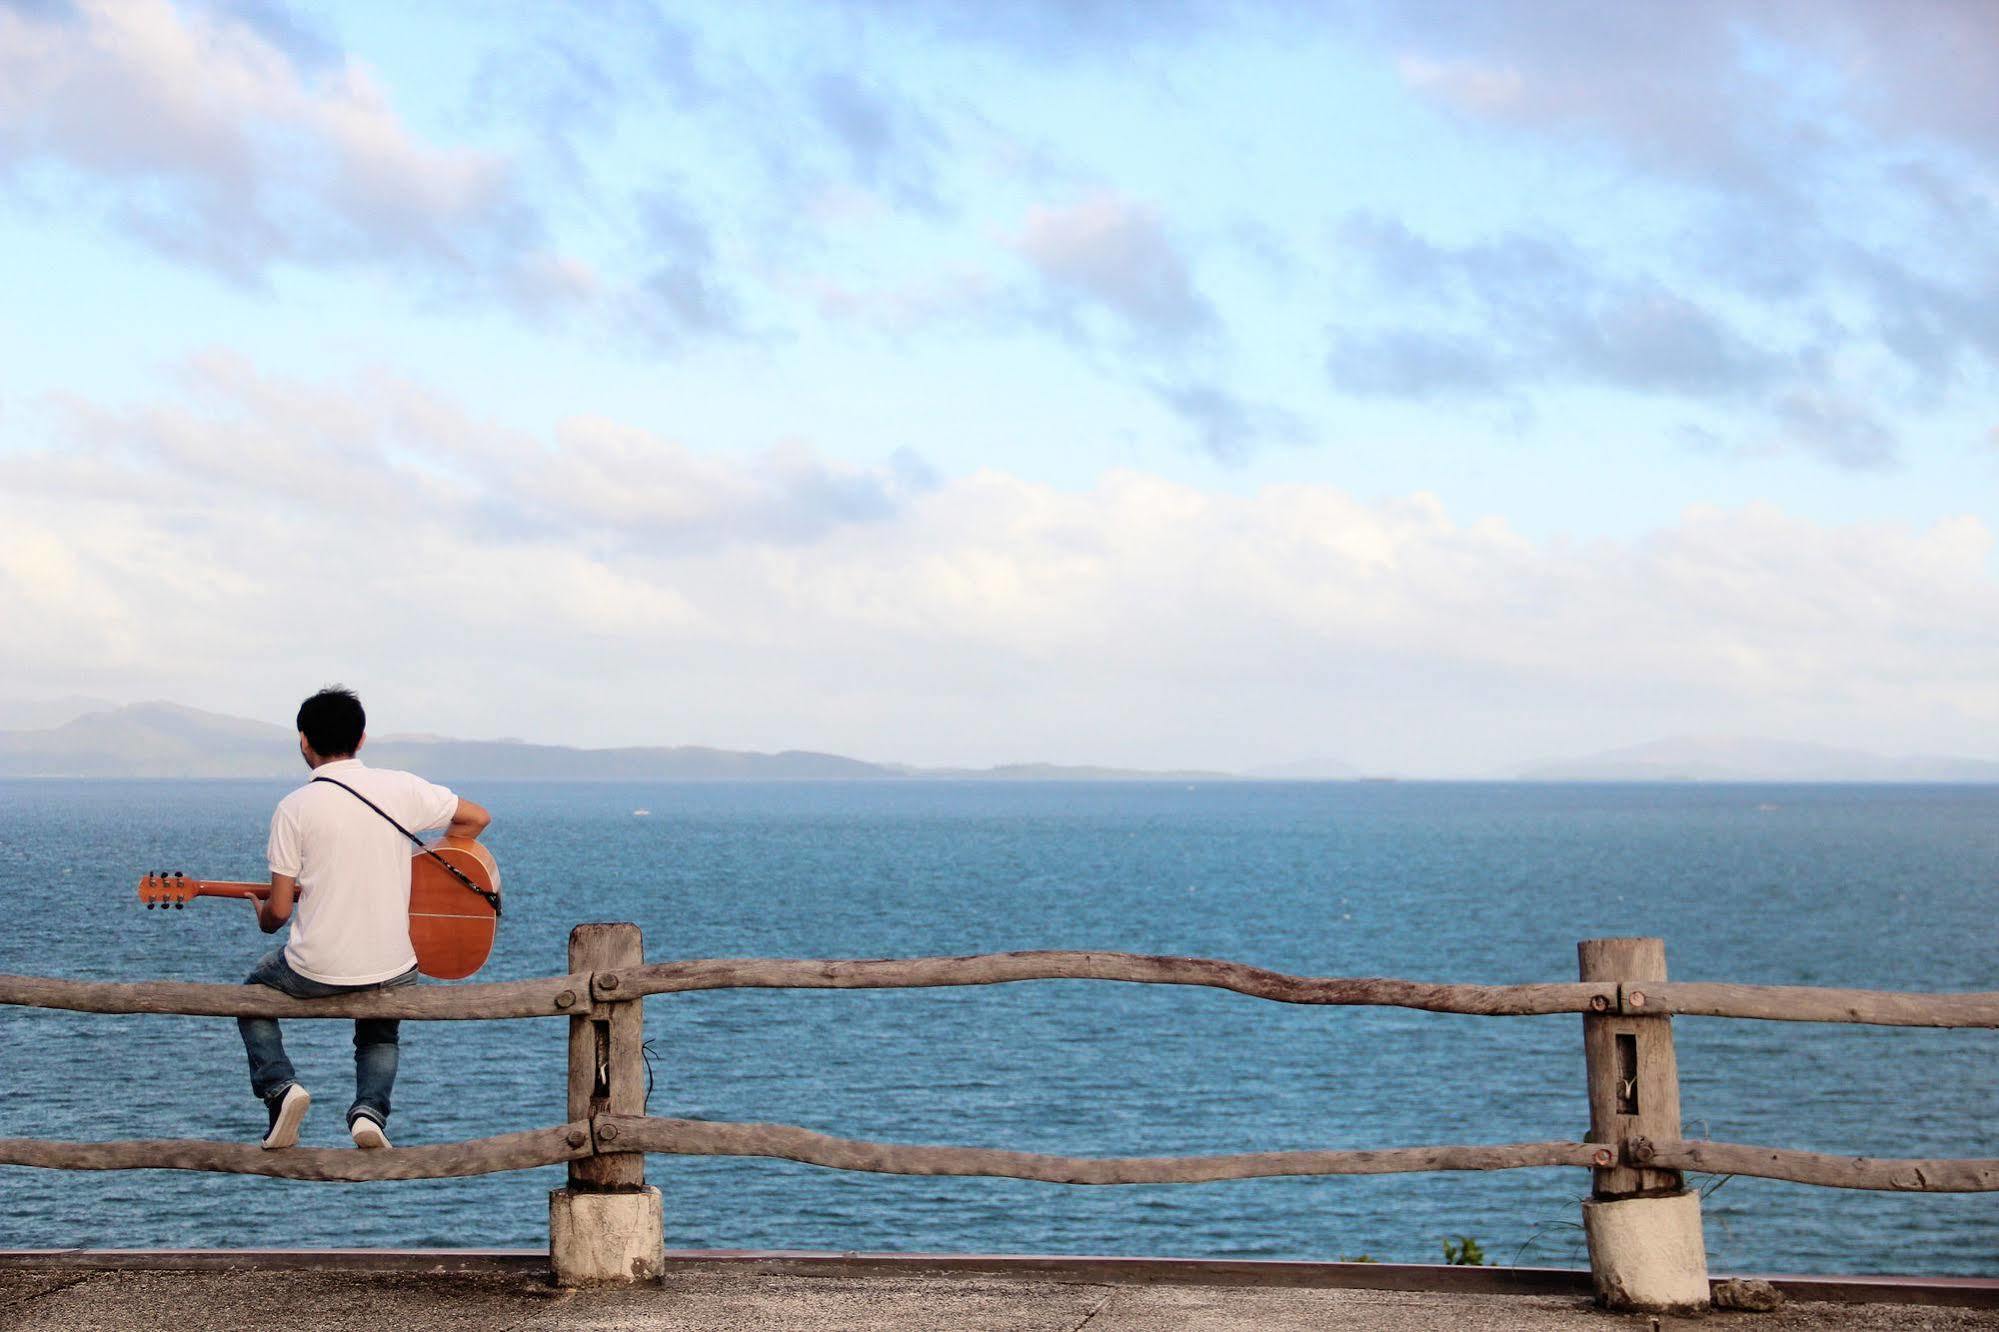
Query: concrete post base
[[597, 1239], [1646, 1254]]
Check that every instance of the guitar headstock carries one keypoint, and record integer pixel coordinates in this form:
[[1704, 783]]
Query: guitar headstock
[[161, 889]]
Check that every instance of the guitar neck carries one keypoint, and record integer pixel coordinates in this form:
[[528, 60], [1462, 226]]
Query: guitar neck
[[224, 888]]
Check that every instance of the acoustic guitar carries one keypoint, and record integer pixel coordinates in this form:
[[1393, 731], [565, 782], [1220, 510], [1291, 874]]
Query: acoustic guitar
[[451, 925]]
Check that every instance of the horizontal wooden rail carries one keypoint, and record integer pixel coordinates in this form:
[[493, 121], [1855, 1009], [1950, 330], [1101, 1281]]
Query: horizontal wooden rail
[[998, 968], [565, 996], [700, 1137], [693, 1137], [1800, 1003], [481, 1156], [554, 996], [1945, 1175]]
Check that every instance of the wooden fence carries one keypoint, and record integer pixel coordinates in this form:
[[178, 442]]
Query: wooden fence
[[1634, 1148]]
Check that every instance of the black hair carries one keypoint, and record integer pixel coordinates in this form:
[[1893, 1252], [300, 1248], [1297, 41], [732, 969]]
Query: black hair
[[332, 721]]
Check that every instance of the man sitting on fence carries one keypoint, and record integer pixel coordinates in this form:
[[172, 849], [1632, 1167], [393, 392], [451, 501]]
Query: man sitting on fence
[[340, 874]]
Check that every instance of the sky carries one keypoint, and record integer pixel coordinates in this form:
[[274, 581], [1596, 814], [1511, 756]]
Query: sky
[[1430, 388]]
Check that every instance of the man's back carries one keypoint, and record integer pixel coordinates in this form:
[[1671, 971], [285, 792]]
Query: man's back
[[351, 925], [340, 877]]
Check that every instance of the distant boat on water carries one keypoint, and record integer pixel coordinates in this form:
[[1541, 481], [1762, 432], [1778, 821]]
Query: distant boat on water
[[641, 813]]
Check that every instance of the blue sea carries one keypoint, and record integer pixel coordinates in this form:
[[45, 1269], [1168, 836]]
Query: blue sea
[[1881, 887]]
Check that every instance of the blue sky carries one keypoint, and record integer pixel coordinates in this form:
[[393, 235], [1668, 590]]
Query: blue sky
[[1424, 386]]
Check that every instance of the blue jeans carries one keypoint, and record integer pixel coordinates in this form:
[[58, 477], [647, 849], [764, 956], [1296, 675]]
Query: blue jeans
[[375, 1039]]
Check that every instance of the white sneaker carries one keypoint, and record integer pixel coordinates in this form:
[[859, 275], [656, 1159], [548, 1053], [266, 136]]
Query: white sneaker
[[367, 1133], [287, 1113]]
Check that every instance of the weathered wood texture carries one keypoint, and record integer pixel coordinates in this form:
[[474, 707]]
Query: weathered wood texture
[[1947, 1175], [685, 1137], [695, 1137], [481, 1156], [1633, 1074], [1800, 1003], [998, 968], [555, 996], [606, 1063], [543, 997]]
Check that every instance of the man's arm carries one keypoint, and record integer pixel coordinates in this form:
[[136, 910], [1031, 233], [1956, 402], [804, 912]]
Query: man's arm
[[468, 820], [275, 910], [283, 850]]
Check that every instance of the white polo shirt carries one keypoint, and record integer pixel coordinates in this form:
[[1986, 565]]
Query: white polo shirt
[[352, 922]]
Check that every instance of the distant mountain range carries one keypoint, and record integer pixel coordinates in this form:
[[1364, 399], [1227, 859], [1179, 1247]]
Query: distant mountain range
[[168, 740], [149, 740], [80, 737], [1748, 759], [1306, 770]]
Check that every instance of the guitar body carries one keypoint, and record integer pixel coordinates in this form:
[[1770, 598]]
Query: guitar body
[[451, 927]]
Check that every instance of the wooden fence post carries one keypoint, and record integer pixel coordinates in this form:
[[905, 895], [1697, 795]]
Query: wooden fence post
[[606, 1227], [1646, 1251]]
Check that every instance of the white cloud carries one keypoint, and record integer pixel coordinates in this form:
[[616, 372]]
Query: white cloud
[[206, 138], [1488, 89], [958, 297], [1508, 316], [1838, 147], [1113, 253], [1228, 427], [1527, 309], [608, 585], [1679, 88], [631, 488], [890, 144], [382, 452]]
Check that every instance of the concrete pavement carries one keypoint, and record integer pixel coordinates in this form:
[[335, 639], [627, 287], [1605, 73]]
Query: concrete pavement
[[514, 1296]]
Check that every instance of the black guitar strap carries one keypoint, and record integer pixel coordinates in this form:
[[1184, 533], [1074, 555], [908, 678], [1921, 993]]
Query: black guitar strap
[[421, 845]]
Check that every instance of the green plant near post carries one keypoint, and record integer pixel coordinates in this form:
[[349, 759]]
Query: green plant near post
[[1464, 1251]]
